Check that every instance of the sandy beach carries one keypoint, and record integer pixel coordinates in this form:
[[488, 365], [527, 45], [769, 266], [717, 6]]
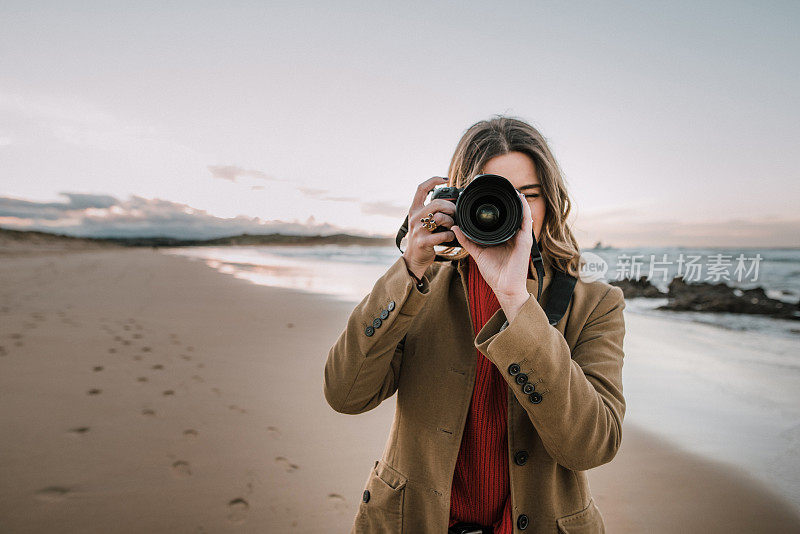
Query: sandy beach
[[144, 392]]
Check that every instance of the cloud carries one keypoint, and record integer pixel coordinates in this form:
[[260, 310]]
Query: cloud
[[234, 173], [311, 192], [367, 207], [384, 208], [25, 209], [88, 215], [635, 231], [324, 194]]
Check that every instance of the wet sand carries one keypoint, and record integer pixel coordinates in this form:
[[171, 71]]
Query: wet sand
[[141, 392]]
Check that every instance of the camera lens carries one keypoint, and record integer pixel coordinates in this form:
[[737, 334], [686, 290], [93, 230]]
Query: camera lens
[[489, 210], [487, 217]]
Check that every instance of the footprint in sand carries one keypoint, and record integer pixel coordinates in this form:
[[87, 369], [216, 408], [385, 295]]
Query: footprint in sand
[[3, 351], [197, 378], [181, 469], [51, 493], [148, 412], [186, 357], [157, 366], [137, 336], [236, 408], [338, 502], [190, 348], [289, 325], [146, 349], [286, 464], [237, 510], [142, 379], [190, 432], [97, 368], [126, 327], [274, 431], [126, 342], [79, 430], [112, 351], [137, 357], [94, 391], [200, 365], [217, 391], [167, 392], [17, 337]]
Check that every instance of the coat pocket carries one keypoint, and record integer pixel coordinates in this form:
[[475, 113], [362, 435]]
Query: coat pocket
[[381, 510], [587, 521]]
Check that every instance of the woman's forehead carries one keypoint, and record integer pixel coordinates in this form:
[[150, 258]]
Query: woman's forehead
[[516, 167]]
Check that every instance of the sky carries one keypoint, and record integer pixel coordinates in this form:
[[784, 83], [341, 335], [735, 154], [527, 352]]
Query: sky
[[675, 123]]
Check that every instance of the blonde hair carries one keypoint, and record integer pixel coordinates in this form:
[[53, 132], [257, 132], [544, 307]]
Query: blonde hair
[[500, 135]]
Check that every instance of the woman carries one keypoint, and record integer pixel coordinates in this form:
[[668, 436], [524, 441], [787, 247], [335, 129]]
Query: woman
[[499, 414]]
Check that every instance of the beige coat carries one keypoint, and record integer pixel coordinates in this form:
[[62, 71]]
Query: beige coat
[[424, 349]]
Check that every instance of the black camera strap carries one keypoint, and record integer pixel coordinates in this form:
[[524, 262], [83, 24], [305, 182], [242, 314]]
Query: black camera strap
[[401, 233], [559, 291]]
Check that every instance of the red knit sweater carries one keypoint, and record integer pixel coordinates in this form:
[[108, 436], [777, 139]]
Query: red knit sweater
[[480, 491]]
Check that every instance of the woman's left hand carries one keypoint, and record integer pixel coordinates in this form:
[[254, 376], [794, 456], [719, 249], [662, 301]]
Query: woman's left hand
[[505, 266]]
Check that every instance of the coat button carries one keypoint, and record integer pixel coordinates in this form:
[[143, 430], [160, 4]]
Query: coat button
[[521, 379], [384, 314], [377, 323], [535, 397], [390, 307], [528, 388], [520, 457], [513, 369], [365, 497], [522, 522], [369, 331]]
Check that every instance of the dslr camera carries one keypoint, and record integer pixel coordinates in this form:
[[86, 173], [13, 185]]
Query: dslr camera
[[488, 209]]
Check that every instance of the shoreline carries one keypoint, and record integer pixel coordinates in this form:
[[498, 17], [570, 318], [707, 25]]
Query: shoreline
[[229, 445]]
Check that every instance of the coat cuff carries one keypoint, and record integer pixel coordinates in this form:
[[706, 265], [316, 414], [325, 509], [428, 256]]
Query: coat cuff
[[530, 315], [398, 289], [514, 348]]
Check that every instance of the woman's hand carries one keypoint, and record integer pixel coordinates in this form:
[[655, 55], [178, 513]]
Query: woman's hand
[[505, 266], [419, 253]]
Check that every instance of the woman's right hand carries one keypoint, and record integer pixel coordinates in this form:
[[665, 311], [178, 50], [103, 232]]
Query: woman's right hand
[[419, 253]]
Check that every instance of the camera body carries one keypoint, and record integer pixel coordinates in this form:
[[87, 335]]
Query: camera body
[[488, 209]]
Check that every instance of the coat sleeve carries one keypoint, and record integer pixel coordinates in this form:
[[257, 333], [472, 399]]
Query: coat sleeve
[[577, 406], [363, 366]]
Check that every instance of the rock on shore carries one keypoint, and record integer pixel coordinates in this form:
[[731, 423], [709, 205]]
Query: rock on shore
[[707, 297], [638, 288]]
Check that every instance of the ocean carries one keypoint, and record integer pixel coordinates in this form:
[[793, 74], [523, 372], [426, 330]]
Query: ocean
[[349, 272]]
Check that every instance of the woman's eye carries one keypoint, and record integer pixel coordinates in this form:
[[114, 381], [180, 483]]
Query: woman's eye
[[533, 195]]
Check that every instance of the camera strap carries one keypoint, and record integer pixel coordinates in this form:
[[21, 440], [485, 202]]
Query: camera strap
[[401, 233], [559, 291]]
